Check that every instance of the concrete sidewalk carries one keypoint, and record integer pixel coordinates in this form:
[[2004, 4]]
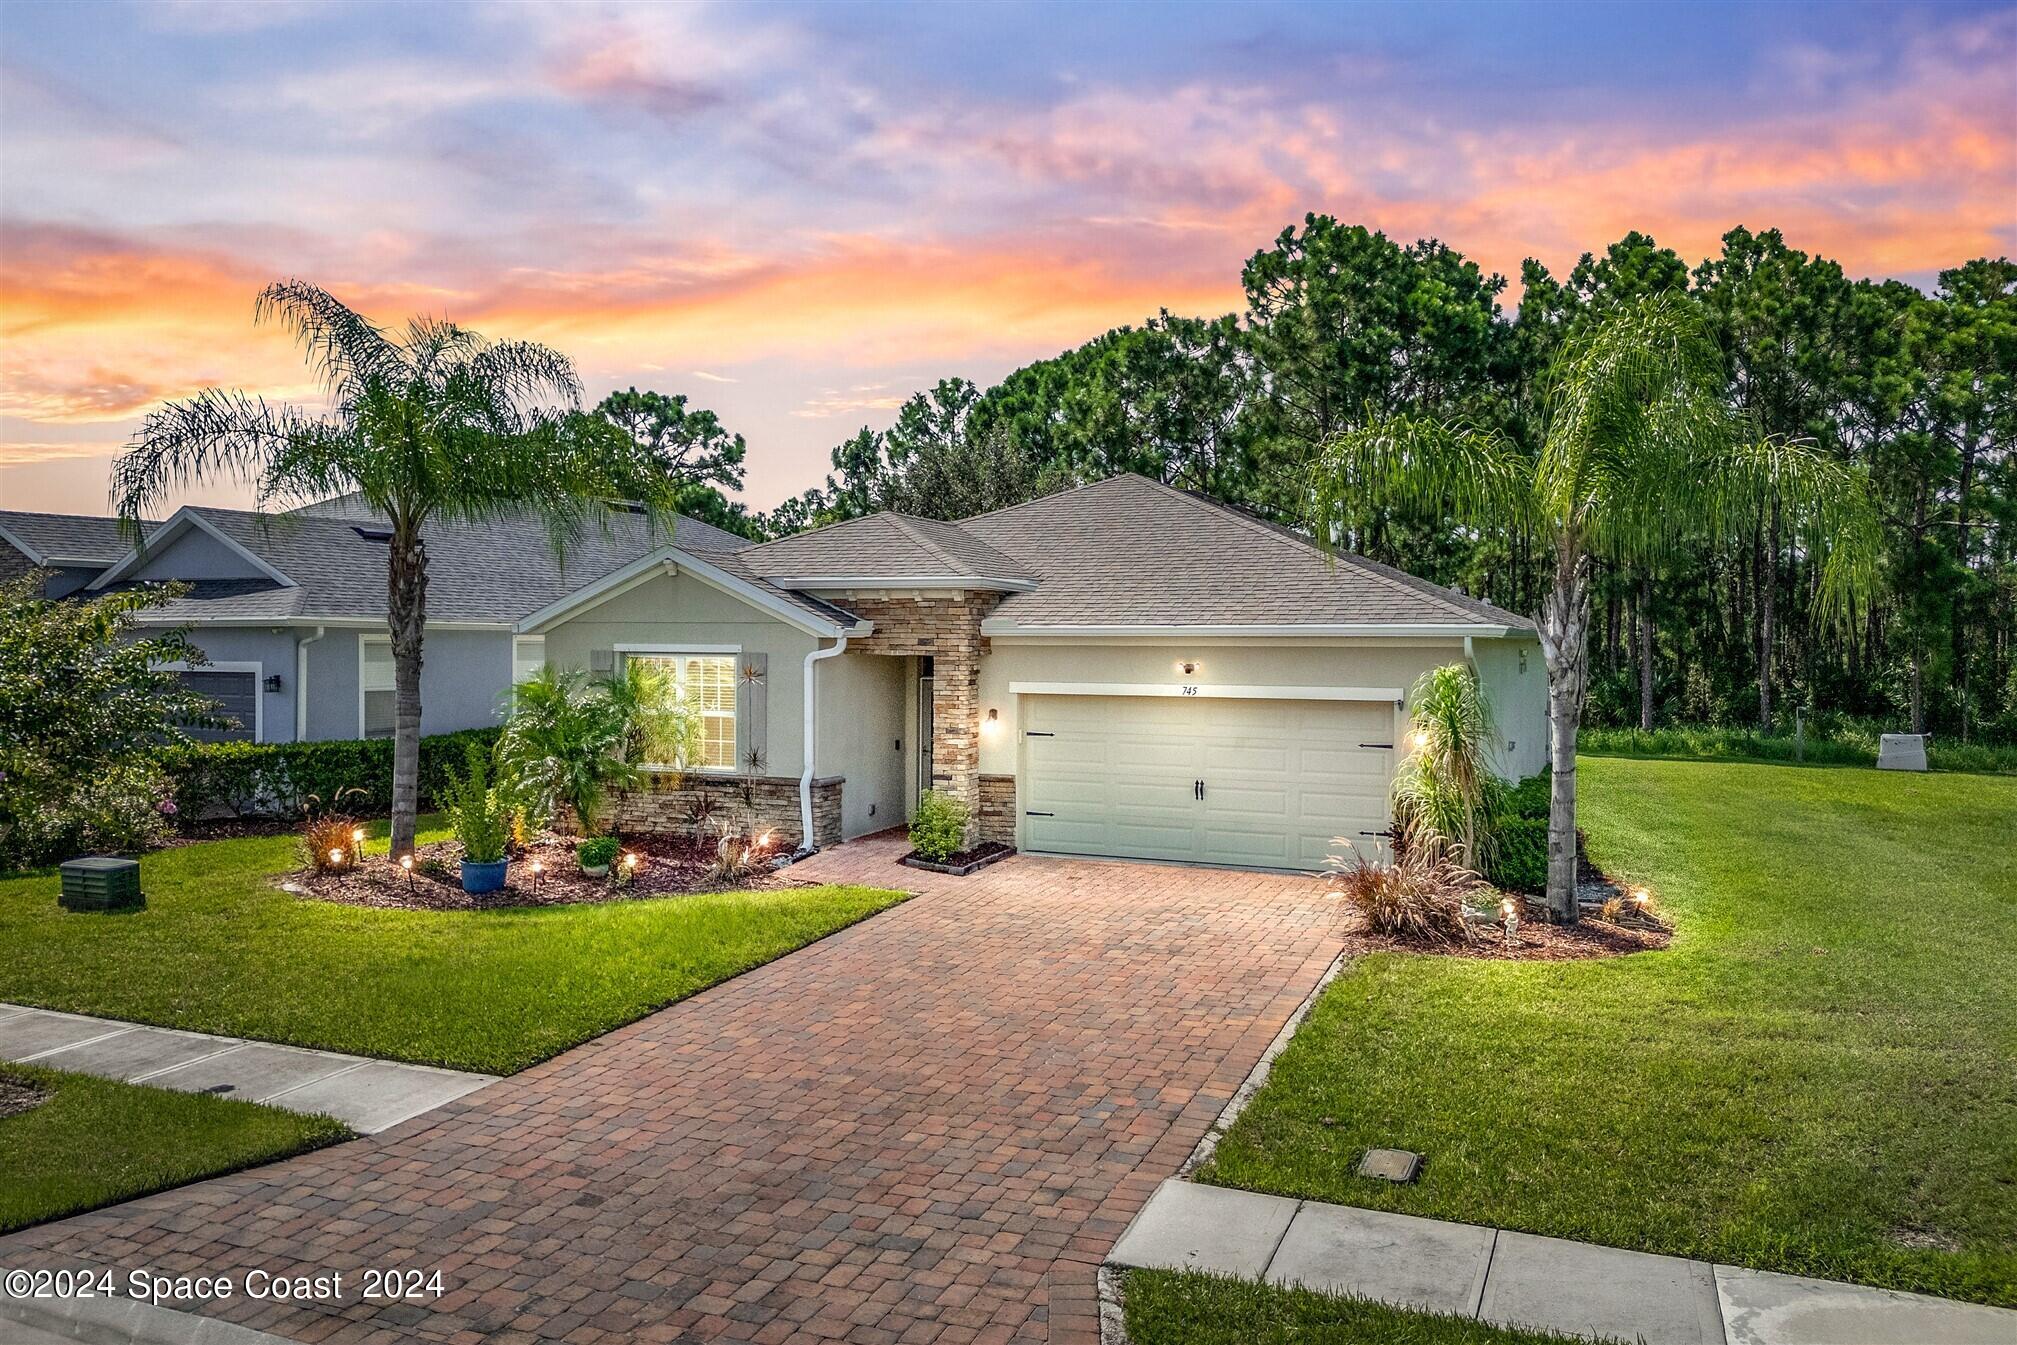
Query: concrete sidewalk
[[365, 1094], [1516, 1278]]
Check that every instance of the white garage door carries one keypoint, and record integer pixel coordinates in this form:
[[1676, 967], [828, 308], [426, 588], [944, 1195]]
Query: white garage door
[[1256, 783]]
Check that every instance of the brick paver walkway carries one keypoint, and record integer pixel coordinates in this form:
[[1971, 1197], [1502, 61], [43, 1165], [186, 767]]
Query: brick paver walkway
[[930, 1127]]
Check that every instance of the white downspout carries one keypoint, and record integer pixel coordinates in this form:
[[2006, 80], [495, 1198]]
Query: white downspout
[[301, 683], [806, 844]]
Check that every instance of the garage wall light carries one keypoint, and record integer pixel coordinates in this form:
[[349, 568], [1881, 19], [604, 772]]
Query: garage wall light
[[1186, 667]]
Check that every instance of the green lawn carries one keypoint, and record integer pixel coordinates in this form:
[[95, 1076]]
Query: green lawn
[[1173, 1308], [219, 949], [1817, 1077], [95, 1141]]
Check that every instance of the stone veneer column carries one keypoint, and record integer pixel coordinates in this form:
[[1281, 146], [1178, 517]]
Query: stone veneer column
[[948, 630]]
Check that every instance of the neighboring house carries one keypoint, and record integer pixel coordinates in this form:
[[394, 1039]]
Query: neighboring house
[[290, 610], [1123, 669], [73, 548]]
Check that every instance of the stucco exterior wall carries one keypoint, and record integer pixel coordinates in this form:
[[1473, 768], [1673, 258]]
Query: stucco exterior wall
[[1518, 690], [680, 610], [864, 737]]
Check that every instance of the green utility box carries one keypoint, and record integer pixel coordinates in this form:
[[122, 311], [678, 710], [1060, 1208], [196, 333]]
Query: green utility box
[[100, 883]]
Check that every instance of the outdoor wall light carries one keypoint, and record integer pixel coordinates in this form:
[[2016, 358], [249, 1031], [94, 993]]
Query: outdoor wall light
[[992, 724], [1186, 667], [273, 681]]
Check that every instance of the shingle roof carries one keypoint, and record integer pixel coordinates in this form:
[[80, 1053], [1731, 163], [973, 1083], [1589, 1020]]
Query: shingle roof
[[67, 537], [491, 573], [885, 546], [1128, 551]]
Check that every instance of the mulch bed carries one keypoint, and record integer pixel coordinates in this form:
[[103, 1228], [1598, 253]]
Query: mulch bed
[[18, 1095], [1536, 941], [668, 866]]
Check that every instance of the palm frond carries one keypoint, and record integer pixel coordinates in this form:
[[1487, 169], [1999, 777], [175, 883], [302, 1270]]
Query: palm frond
[[211, 436], [345, 349], [1419, 466], [1828, 503]]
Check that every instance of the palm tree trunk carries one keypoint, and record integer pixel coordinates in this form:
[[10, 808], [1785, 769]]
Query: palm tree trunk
[[1565, 629], [406, 607], [1768, 583]]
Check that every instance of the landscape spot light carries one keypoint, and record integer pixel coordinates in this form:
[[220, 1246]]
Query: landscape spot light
[[336, 858], [357, 836], [537, 869]]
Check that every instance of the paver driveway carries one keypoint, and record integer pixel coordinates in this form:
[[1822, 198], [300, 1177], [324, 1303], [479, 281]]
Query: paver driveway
[[929, 1127]]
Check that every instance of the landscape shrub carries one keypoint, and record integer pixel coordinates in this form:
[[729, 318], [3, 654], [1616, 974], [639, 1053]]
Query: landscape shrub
[[1518, 858], [1421, 896], [1444, 792], [597, 852], [85, 701], [477, 810], [938, 831], [332, 842], [284, 779]]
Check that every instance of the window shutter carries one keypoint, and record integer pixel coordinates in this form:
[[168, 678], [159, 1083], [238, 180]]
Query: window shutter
[[752, 730]]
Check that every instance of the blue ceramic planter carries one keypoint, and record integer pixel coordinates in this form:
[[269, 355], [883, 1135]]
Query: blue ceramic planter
[[479, 878]]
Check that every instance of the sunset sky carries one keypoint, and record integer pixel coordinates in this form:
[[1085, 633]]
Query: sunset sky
[[798, 215]]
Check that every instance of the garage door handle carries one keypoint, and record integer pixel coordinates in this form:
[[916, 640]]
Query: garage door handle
[[1200, 789], [1033, 733], [1388, 746], [1029, 813]]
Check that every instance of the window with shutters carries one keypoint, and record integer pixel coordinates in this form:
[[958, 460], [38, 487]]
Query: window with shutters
[[705, 682], [376, 694]]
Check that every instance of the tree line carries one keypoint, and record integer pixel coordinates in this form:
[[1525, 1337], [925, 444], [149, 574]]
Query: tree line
[[1344, 328]]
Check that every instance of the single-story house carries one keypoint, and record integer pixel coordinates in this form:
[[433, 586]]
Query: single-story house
[[290, 610], [73, 549], [1124, 670]]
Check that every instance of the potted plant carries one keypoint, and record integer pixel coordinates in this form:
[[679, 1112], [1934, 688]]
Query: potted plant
[[482, 821], [596, 854]]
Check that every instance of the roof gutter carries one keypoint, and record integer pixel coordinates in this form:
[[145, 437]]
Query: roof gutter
[[301, 683], [807, 845], [1439, 630]]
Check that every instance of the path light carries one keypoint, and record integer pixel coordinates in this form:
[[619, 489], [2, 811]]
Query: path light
[[763, 841], [357, 837], [406, 865], [630, 862], [1640, 897], [537, 869], [336, 859], [1511, 911]]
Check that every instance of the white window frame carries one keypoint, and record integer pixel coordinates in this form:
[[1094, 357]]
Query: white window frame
[[362, 641], [732, 651], [258, 671]]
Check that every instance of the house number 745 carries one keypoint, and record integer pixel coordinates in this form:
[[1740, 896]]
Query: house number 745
[[1190, 691]]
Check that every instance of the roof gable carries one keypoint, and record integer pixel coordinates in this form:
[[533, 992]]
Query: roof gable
[[67, 539]]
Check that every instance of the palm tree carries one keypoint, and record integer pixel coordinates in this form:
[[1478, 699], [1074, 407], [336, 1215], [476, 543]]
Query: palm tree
[[1640, 455], [430, 423]]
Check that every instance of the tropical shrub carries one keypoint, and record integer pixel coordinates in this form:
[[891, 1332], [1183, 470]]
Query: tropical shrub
[[570, 741], [478, 810], [1421, 896], [737, 859], [1444, 791], [84, 708], [938, 830]]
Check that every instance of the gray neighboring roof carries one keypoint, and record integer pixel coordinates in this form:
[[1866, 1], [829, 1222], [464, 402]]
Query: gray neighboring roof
[[1129, 551], [886, 546], [488, 573], [49, 538]]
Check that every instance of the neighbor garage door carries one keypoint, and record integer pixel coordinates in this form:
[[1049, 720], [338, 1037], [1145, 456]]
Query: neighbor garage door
[[1259, 783], [234, 697]]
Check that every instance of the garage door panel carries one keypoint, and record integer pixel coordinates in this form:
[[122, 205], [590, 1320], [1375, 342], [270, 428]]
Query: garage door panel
[[1282, 778]]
